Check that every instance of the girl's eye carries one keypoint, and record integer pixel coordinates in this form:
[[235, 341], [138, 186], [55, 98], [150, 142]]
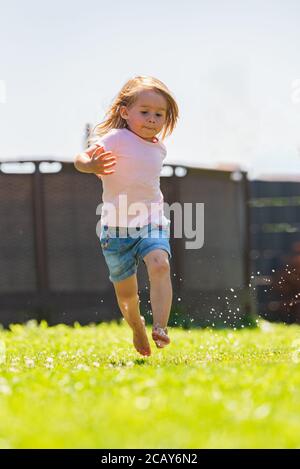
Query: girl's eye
[[145, 112]]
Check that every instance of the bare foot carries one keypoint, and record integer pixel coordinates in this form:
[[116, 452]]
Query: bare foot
[[160, 336], [140, 339]]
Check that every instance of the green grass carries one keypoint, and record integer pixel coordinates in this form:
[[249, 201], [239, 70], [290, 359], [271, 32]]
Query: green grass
[[86, 387]]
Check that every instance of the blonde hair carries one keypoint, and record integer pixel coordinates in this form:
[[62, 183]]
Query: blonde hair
[[127, 97]]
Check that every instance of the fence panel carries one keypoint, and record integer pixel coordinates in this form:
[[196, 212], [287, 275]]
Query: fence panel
[[275, 237], [17, 247]]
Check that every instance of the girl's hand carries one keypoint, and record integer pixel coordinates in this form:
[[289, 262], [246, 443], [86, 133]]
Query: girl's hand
[[101, 161]]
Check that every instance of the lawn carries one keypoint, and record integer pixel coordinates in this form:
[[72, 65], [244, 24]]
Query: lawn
[[86, 387]]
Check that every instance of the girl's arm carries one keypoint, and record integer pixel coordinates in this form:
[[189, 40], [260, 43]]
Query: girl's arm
[[95, 160]]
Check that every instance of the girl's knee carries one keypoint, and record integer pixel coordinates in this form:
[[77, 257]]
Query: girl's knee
[[127, 300], [158, 265]]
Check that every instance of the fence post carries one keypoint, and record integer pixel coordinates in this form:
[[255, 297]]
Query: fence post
[[38, 206], [250, 303]]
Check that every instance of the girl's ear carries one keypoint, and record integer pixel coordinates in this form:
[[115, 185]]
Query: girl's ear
[[123, 112]]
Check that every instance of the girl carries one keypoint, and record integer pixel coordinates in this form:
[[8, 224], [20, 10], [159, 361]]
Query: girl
[[127, 155]]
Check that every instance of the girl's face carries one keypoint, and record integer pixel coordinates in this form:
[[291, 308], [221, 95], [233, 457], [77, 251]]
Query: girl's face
[[146, 117]]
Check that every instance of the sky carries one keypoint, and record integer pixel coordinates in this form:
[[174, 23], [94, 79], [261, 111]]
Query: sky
[[233, 66]]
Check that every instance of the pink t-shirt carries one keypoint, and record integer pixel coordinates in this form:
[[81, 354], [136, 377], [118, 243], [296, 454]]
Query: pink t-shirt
[[131, 195]]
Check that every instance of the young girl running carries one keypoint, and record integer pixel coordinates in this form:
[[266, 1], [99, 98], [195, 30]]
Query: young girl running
[[125, 152]]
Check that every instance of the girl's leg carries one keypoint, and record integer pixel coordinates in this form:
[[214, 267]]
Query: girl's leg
[[161, 294], [128, 301]]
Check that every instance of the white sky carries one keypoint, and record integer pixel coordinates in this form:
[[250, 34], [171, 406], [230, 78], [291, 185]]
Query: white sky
[[234, 67]]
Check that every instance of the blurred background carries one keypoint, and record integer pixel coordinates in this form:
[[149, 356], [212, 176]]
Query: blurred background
[[235, 72]]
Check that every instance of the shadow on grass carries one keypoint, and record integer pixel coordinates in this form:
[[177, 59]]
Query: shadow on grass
[[140, 361]]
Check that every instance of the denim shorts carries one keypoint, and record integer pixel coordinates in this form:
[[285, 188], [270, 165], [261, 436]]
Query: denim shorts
[[123, 247]]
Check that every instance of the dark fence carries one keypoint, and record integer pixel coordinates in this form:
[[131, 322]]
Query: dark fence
[[52, 267], [275, 248]]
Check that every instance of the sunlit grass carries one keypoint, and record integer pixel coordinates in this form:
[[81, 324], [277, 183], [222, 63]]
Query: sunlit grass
[[86, 387]]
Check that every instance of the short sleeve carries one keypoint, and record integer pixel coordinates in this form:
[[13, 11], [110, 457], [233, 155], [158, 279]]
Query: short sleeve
[[109, 141]]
